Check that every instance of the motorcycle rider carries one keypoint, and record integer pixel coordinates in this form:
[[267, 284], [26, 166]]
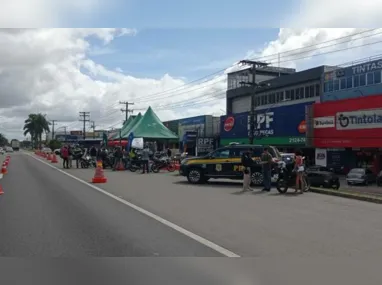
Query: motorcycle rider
[[299, 168]]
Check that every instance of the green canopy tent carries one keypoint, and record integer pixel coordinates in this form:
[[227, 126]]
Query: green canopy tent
[[131, 121], [151, 127]]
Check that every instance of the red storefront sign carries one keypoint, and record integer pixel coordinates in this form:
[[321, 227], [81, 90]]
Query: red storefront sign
[[348, 123]]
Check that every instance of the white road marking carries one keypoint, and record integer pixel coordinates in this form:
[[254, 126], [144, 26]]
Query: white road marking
[[1, 176], [175, 227]]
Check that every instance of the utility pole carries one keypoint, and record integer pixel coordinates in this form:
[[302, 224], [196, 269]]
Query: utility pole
[[93, 126], [84, 117], [126, 110], [53, 124], [255, 65]]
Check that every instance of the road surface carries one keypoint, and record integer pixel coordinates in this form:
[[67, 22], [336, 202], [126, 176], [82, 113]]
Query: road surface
[[256, 224], [45, 213]]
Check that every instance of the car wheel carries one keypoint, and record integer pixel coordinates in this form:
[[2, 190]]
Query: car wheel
[[257, 178], [195, 176]]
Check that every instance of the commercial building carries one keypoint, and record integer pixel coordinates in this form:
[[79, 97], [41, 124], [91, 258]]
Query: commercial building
[[363, 78], [348, 132], [279, 110], [189, 130]]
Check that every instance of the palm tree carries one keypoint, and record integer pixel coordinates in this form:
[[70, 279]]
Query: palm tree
[[3, 140], [36, 125]]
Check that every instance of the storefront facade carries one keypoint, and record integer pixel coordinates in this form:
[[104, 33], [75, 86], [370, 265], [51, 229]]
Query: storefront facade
[[363, 79], [282, 126], [353, 127]]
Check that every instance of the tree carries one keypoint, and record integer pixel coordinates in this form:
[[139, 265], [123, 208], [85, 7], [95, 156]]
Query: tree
[[3, 140], [54, 144], [36, 125]]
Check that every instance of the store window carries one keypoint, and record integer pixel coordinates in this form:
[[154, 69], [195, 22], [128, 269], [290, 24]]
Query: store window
[[331, 86], [292, 95], [312, 91], [370, 78], [362, 80], [307, 94], [377, 76], [326, 87], [356, 81], [343, 83], [272, 99], [318, 90], [287, 95], [336, 84], [349, 82]]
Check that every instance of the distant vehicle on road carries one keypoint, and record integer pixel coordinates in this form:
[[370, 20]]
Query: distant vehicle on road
[[2, 151], [8, 149], [360, 176], [46, 150], [57, 151], [15, 144]]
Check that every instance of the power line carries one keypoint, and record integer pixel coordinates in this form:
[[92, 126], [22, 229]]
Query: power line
[[262, 58], [93, 126], [53, 125], [84, 117], [126, 110], [278, 54]]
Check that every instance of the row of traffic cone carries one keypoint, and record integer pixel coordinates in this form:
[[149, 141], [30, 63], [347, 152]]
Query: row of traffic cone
[[4, 170], [50, 157]]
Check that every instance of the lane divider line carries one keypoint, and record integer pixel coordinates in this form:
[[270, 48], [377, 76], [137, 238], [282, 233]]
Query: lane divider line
[[163, 221]]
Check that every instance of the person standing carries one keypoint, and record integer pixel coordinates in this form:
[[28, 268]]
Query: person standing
[[70, 158], [266, 161], [117, 157], [65, 156], [145, 159], [299, 168], [246, 161]]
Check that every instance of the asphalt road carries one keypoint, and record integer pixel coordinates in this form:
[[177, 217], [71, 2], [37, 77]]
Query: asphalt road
[[45, 213]]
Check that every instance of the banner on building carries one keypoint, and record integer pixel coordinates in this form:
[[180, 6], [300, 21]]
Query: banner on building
[[205, 145], [321, 157]]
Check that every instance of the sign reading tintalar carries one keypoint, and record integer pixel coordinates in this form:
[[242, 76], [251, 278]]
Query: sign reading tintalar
[[324, 122], [361, 119]]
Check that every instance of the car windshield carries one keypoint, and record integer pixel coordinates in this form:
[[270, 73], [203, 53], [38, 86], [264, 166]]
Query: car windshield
[[357, 171]]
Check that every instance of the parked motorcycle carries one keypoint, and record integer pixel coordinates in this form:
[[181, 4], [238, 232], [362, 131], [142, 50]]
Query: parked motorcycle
[[87, 161], [287, 178], [163, 162]]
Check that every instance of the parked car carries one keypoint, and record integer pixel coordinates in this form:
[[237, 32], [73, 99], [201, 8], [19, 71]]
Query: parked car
[[2, 151], [57, 151], [225, 163], [8, 149], [46, 150], [360, 176], [379, 178], [326, 179], [317, 168]]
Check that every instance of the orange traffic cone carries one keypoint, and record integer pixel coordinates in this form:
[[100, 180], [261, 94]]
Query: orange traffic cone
[[48, 157], [54, 158], [4, 169], [1, 190], [99, 176], [120, 166]]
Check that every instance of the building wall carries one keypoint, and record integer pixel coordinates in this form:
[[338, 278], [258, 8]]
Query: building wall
[[299, 93], [363, 79], [282, 125], [351, 123]]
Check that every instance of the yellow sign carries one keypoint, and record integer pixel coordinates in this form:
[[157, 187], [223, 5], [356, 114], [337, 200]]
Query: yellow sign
[[99, 164], [218, 167], [238, 168]]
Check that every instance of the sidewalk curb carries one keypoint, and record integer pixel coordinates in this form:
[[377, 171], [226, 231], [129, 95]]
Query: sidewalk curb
[[354, 196]]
